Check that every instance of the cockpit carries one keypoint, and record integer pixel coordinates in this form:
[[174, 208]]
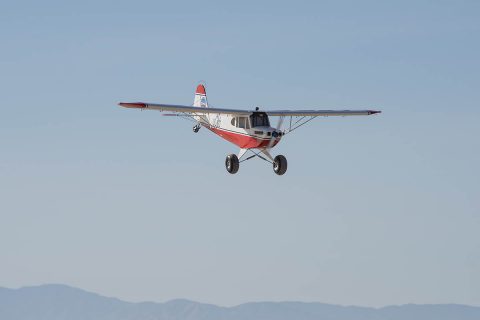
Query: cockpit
[[259, 119]]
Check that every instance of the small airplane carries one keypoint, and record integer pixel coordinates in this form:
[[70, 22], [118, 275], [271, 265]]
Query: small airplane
[[248, 129]]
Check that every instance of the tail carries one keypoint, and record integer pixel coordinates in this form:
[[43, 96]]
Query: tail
[[200, 97]]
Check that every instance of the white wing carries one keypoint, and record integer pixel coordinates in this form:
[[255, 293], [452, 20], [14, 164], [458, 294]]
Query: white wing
[[320, 113], [182, 109], [279, 113]]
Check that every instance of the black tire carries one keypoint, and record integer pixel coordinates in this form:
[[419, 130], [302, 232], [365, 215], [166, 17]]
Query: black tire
[[232, 164], [280, 165]]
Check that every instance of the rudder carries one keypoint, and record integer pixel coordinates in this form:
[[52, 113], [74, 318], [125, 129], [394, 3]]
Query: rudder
[[200, 97]]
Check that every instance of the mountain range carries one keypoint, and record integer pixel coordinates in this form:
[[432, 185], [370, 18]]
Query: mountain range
[[61, 302]]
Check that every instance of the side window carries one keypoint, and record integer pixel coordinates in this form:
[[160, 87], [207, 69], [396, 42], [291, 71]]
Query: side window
[[241, 123]]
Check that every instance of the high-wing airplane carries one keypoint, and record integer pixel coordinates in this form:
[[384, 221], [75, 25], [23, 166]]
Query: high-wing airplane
[[248, 129]]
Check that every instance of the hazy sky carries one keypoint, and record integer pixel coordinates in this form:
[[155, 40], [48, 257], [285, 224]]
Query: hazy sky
[[372, 211]]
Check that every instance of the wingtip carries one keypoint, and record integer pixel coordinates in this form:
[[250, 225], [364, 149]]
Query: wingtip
[[136, 105], [375, 111]]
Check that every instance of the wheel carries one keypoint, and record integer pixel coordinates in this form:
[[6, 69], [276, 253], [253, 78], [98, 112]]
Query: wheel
[[232, 164], [196, 128], [280, 165]]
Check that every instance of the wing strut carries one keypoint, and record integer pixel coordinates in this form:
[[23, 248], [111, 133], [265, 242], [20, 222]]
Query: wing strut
[[298, 123]]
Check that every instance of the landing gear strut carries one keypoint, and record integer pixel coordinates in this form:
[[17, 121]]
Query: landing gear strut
[[196, 128], [280, 165], [232, 164]]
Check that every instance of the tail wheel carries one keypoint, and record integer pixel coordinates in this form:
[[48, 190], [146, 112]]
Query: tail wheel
[[280, 165], [231, 163]]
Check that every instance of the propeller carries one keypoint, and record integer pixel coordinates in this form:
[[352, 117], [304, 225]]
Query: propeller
[[275, 133]]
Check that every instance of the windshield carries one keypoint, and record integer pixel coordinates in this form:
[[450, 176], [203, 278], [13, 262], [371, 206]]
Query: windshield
[[259, 120]]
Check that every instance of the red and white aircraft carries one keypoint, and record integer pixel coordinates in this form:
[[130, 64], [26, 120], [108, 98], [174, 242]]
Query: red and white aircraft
[[248, 129]]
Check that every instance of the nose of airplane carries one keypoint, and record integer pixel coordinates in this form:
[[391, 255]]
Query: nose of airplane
[[277, 134]]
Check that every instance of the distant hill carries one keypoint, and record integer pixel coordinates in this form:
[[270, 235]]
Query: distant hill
[[60, 302]]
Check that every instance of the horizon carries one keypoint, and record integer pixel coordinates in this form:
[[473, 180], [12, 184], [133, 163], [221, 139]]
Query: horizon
[[226, 306]]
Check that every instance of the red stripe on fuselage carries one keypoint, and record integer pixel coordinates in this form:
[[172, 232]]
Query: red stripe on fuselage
[[241, 140]]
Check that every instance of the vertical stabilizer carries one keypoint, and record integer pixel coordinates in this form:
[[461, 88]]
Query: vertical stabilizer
[[200, 97]]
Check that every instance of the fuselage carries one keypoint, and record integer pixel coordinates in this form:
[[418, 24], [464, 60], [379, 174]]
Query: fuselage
[[247, 132]]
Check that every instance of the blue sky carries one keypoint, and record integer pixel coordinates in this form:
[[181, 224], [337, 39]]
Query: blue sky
[[373, 211]]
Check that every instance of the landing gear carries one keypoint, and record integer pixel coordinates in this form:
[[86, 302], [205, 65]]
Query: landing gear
[[280, 165], [196, 128], [232, 164]]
